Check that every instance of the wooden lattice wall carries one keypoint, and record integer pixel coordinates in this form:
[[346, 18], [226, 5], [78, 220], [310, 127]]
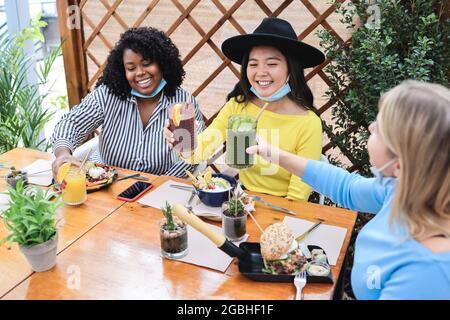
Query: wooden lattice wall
[[197, 27]]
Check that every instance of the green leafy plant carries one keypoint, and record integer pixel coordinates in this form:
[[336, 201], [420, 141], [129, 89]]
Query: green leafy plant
[[22, 116], [33, 32], [167, 212], [396, 40], [235, 206], [30, 218]]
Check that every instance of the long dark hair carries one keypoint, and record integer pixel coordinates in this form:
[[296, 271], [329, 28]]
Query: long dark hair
[[300, 92], [153, 45]]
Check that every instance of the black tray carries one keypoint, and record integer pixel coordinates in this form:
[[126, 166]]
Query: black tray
[[254, 270]]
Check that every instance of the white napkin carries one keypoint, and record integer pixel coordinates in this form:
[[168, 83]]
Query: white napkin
[[158, 197], [42, 179], [203, 252], [329, 238], [4, 202]]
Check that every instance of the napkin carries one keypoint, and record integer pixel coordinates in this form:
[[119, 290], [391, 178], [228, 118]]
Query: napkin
[[203, 252], [329, 238], [158, 197], [4, 202], [42, 179]]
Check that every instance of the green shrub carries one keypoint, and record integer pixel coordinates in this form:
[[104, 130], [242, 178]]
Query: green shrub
[[30, 218], [22, 116], [410, 40]]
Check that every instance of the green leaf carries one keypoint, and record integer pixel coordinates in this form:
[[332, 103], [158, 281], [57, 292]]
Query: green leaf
[[30, 218]]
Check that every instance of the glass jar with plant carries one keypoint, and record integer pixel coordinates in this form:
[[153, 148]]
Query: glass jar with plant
[[30, 220], [173, 235], [234, 216]]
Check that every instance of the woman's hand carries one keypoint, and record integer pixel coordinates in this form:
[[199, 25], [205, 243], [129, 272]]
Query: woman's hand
[[63, 155], [291, 162], [170, 138], [168, 135], [265, 150]]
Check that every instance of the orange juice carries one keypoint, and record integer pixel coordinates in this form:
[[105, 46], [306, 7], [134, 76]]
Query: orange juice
[[74, 187]]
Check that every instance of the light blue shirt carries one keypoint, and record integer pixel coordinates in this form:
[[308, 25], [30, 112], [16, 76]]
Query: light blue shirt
[[387, 264]]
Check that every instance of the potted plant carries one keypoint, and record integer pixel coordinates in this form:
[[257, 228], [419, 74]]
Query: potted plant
[[15, 175], [30, 220], [173, 235], [234, 216]]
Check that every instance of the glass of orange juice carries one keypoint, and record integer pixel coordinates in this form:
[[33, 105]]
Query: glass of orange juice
[[73, 187]]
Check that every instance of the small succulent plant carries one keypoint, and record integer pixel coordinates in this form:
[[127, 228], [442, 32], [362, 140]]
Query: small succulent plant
[[236, 204], [167, 211]]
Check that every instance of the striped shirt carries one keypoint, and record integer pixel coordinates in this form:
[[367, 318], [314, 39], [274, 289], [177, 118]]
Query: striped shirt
[[123, 141]]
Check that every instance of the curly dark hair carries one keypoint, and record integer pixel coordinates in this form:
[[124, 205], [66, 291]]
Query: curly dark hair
[[153, 45]]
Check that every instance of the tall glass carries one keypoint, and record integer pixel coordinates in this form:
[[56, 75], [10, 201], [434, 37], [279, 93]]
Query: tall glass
[[241, 134], [182, 125], [73, 188]]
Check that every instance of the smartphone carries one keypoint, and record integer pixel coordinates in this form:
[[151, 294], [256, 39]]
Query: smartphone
[[135, 191]]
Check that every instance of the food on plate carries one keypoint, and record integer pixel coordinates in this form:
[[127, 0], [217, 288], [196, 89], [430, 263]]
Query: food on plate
[[319, 269], [98, 174], [280, 251], [206, 182], [318, 254]]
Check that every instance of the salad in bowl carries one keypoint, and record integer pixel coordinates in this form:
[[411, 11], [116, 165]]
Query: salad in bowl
[[213, 189]]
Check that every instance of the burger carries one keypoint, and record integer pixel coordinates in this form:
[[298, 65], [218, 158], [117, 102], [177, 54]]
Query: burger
[[280, 251]]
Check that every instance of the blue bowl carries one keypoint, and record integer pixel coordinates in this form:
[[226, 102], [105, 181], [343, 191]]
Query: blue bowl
[[216, 199]]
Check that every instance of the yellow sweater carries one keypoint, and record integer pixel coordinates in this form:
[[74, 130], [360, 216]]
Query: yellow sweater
[[298, 134]]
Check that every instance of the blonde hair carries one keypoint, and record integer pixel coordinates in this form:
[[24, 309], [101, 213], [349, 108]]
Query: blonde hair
[[415, 125]]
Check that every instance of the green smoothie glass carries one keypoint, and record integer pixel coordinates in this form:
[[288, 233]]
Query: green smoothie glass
[[241, 134]]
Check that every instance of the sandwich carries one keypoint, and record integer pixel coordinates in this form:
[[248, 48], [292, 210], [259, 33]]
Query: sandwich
[[280, 251]]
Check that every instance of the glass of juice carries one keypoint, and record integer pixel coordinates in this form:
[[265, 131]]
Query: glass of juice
[[73, 187], [241, 134], [182, 125]]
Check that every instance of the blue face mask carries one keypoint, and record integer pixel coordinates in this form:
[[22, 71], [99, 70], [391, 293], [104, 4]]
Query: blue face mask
[[162, 84], [284, 90], [378, 173]]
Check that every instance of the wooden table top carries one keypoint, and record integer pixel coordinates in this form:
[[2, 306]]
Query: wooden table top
[[76, 220], [116, 255]]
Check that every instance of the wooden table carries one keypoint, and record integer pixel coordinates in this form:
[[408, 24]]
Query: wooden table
[[119, 258], [77, 221]]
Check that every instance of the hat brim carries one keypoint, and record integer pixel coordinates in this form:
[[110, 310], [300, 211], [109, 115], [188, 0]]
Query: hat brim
[[236, 47]]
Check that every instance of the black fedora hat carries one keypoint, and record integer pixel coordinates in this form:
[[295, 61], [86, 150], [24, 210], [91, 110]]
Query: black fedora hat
[[274, 32]]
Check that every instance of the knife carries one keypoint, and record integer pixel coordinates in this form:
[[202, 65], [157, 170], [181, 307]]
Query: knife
[[193, 193], [259, 199], [176, 186], [305, 234], [136, 176]]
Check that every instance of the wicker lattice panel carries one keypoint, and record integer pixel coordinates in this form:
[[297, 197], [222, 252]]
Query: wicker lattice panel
[[198, 27]]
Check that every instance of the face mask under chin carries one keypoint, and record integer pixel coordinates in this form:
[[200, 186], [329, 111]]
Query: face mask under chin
[[161, 85], [280, 93], [378, 172]]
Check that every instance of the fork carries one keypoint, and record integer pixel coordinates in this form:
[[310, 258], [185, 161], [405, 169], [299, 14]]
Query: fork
[[300, 281]]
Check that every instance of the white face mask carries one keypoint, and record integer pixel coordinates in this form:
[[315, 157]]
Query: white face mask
[[378, 173]]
